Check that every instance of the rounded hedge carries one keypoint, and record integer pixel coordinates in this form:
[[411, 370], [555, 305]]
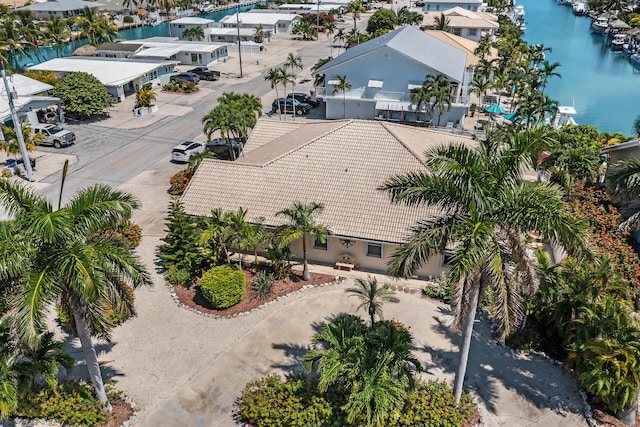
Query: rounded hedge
[[223, 286]]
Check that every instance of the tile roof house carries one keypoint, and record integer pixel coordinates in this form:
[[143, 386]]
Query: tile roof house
[[60, 8], [339, 163], [465, 23], [383, 71]]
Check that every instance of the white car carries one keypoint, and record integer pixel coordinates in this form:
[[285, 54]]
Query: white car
[[183, 152]]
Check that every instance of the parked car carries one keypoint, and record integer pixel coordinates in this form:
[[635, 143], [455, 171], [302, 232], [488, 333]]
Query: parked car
[[54, 135], [189, 77], [303, 98], [183, 152], [280, 105], [225, 149], [206, 74]]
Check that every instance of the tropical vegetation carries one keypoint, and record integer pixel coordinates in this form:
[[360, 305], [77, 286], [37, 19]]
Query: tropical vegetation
[[82, 94], [233, 117]]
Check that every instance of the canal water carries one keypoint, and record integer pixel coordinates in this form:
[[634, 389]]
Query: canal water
[[603, 84], [44, 54]]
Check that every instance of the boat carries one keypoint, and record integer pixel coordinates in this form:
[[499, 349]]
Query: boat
[[517, 16], [579, 8], [635, 60], [565, 116], [618, 42], [600, 24]]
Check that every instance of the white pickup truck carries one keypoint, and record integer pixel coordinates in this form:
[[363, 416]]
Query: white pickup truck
[[55, 135]]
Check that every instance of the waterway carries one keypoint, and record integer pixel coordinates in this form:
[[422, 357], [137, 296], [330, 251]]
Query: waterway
[[603, 84], [44, 54]]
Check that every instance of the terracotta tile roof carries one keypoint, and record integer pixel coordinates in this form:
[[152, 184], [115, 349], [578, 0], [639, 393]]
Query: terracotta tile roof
[[340, 167]]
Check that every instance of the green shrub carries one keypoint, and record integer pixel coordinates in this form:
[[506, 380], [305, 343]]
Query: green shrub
[[128, 19], [71, 404], [432, 404], [262, 283], [223, 286], [178, 276], [527, 339], [271, 401], [440, 289]]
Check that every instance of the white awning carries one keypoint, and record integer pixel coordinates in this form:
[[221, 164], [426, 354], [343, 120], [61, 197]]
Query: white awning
[[375, 84], [394, 106], [333, 82], [411, 86]]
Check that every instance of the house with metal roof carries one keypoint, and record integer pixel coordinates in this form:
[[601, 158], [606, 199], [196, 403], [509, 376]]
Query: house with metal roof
[[272, 21], [60, 8], [30, 96], [339, 163], [167, 48], [442, 5], [465, 23], [121, 76], [382, 73]]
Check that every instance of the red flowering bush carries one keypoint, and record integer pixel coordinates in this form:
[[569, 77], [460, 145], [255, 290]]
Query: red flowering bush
[[594, 207], [179, 181], [128, 233]]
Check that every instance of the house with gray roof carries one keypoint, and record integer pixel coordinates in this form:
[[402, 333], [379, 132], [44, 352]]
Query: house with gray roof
[[30, 96], [383, 71], [339, 163], [60, 8]]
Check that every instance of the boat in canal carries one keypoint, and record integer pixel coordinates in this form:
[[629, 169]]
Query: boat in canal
[[635, 60], [618, 42], [579, 8], [600, 24]]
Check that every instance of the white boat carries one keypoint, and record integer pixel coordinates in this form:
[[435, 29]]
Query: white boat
[[565, 116], [600, 24], [618, 42], [635, 60], [579, 8]]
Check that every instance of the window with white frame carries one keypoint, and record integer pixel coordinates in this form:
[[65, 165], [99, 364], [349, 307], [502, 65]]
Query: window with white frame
[[317, 244], [473, 31], [374, 250]]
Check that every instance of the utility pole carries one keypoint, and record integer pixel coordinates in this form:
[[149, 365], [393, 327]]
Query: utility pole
[[238, 27], [16, 126]]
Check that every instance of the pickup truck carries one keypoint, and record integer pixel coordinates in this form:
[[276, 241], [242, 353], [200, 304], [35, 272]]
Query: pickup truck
[[54, 135], [206, 74]]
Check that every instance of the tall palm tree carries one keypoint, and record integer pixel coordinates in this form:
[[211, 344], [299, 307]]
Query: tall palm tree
[[480, 85], [330, 29], [372, 296], [295, 62], [96, 28], [548, 70], [71, 265], [355, 8], [274, 77], [341, 37], [285, 78], [302, 223], [342, 86], [11, 37], [486, 208], [57, 33]]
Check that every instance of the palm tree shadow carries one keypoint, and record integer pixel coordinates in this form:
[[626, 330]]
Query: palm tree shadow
[[72, 346], [492, 366]]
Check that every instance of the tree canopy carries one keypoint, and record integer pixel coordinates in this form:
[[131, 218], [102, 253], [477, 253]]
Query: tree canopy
[[382, 20], [82, 94]]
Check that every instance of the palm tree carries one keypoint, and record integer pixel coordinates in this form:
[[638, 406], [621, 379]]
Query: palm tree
[[285, 78], [234, 115], [355, 8], [318, 80], [439, 91], [293, 61], [259, 34], [548, 70], [95, 28], [56, 32], [340, 37], [11, 37], [486, 207], [636, 127], [10, 143], [195, 33], [422, 96], [302, 223], [623, 184], [480, 85], [342, 86], [70, 264], [441, 23], [372, 296], [330, 29]]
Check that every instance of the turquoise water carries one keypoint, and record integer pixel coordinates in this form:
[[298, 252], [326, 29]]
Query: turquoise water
[[44, 54], [603, 83]]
